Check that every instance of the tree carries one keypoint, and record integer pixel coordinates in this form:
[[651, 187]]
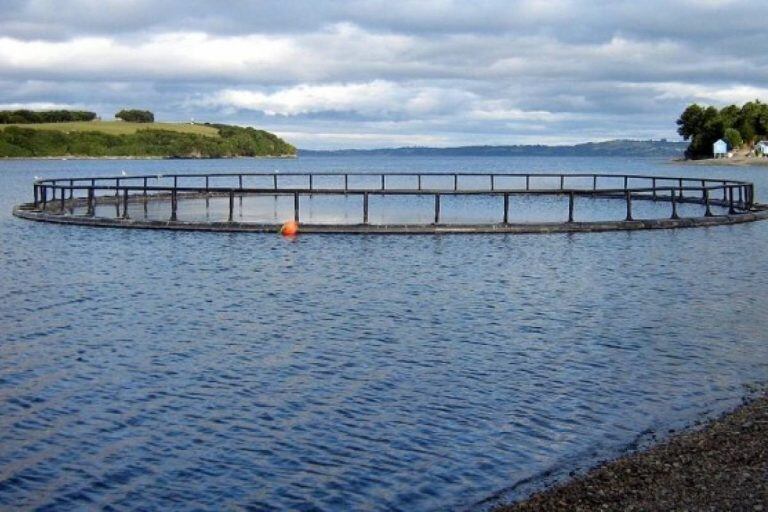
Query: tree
[[733, 138], [691, 121], [136, 116]]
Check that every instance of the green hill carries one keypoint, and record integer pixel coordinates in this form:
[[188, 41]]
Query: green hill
[[121, 139]]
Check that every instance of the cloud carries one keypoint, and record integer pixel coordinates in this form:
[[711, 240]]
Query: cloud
[[491, 71], [37, 106], [376, 98], [718, 95]]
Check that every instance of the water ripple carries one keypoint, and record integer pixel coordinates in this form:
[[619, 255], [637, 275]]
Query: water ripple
[[177, 371]]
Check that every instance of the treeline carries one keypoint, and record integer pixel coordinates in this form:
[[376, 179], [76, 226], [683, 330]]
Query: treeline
[[46, 116], [233, 141], [736, 125]]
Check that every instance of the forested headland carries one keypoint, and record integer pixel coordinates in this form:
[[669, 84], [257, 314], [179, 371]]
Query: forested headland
[[738, 126], [60, 137]]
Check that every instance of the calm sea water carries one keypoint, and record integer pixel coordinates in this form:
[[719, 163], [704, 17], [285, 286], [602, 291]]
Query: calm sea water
[[161, 370]]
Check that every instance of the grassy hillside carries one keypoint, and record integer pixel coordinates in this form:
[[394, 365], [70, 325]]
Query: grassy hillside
[[120, 127], [119, 139]]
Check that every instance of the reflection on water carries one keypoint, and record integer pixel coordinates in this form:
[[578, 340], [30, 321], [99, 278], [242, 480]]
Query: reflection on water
[[397, 209], [165, 370]]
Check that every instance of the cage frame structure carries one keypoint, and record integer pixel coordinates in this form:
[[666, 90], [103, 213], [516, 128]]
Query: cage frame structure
[[56, 199]]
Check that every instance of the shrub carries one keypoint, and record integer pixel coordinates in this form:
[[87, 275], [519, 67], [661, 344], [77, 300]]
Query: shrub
[[136, 116]]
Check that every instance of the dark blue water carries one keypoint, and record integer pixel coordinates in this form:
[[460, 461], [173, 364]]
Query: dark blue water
[[162, 370]]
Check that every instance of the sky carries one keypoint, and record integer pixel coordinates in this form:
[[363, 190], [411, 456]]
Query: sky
[[384, 73]]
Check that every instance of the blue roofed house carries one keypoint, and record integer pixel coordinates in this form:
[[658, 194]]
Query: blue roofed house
[[719, 148]]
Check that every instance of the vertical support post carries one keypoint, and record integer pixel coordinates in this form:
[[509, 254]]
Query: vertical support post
[[274, 181], [708, 211], [562, 182], [206, 185], [527, 182], [725, 191], [506, 208], [437, 208], [173, 204], [570, 207], [731, 209], [418, 176], [296, 206], [628, 195], [365, 207], [125, 203], [117, 187], [44, 195], [346, 182], [383, 182], [493, 184], [71, 189], [90, 210], [231, 206], [240, 181], [145, 186], [741, 198], [63, 194], [704, 191], [674, 204], [680, 184], [626, 179], [310, 182], [594, 183], [455, 182], [35, 192], [653, 183], [175, 181]]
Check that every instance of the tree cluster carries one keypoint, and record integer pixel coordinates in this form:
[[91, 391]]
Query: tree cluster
[[232, 141], [136, 116], [736, 125], [45, 116]]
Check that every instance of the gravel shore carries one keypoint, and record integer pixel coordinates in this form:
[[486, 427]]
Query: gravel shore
[[723, 466]]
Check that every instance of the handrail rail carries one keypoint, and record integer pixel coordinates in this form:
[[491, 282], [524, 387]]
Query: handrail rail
[[379, 174]]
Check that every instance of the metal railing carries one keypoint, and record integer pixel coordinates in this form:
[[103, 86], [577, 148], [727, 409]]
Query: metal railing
[[56, 195]]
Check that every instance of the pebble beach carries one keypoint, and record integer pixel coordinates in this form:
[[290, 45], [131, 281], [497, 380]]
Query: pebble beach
[[721, 466]]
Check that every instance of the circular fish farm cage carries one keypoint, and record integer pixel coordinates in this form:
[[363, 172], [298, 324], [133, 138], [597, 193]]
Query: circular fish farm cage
[[393, 202]]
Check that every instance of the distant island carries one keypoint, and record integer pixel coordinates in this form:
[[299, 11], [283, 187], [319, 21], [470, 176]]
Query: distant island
[[61, 133], [617, 148]]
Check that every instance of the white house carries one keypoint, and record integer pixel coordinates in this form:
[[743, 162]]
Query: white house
[[761, 148], [719, 148]]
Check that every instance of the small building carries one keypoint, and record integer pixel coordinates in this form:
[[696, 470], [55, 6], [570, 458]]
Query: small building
[[761, 148], [720, 148]]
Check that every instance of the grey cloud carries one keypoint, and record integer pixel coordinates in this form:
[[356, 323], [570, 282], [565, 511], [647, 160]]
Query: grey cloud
[[491, 71]]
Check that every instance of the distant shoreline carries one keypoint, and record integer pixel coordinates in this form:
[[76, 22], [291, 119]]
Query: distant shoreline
[[726, 162]]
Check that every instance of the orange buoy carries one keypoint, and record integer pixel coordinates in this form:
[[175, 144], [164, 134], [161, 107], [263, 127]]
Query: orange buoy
[[290, 228]]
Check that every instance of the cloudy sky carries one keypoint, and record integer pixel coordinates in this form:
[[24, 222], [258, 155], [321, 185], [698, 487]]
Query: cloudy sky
[[379, 73]]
